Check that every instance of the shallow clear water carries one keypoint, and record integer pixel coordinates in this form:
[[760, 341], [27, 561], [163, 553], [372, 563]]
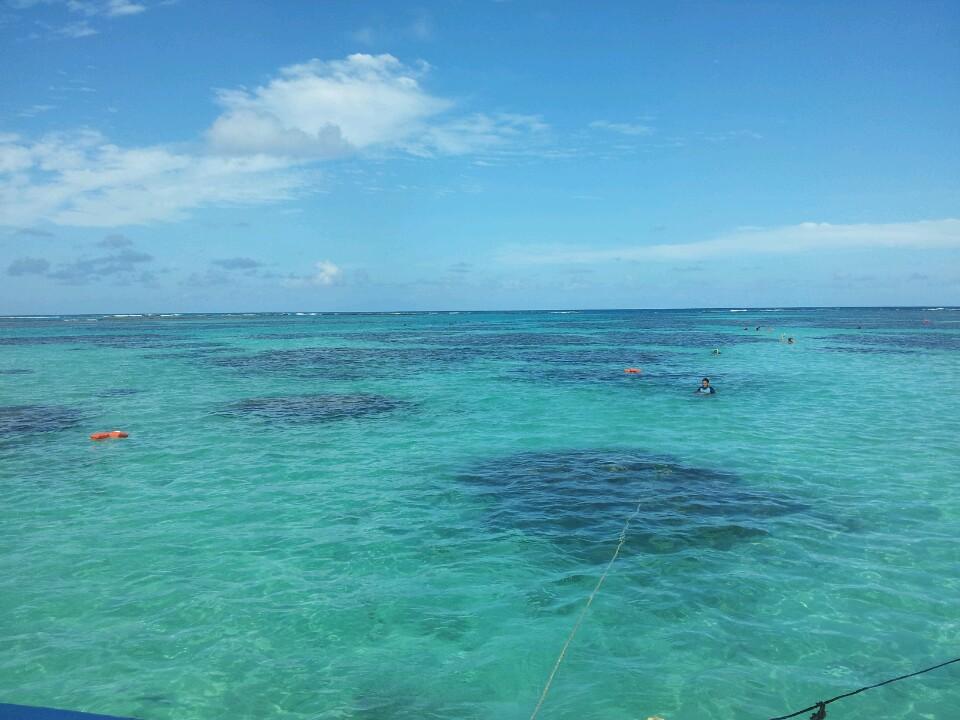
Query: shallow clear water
[[400, 516]]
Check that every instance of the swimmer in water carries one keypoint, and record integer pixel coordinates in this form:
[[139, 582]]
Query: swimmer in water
[[705, 388]]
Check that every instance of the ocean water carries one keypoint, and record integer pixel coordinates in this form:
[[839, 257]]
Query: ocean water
[[402, 515]]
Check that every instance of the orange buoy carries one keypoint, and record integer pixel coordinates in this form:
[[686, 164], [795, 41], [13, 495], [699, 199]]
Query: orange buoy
[[633, 371], [113, 434]]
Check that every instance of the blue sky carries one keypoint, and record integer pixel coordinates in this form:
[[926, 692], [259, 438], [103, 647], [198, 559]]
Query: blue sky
[[186, 156]]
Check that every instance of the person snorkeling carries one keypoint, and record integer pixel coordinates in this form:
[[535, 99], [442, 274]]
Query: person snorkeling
[[705, 388]]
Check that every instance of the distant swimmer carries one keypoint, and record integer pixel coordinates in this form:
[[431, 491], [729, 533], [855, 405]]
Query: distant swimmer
[[705, 388], [716, 351]]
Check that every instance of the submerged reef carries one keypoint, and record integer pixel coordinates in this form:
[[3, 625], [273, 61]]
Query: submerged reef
[[121, 341], [895, 342], [315, 408], [579, 500], [19, 419], [344, 363], [119, 392]]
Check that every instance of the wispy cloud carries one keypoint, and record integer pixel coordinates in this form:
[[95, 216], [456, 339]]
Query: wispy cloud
[[82, 179], [122, 8], [85, 270], [34, 232], [238, 263], [87, 8], [476, 133], [228, 271], [115, 241], [365, 35], [623, 128], [35, 110], [88, 12], [123, 263], [257, 151], [420, 27], [786, 240], [28, 266], [76, 30]]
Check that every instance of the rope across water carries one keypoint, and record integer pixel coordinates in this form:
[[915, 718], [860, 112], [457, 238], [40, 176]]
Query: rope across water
[[583, 613], [820, 708]]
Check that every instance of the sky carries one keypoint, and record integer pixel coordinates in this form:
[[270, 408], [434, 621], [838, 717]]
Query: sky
[[220, 156]]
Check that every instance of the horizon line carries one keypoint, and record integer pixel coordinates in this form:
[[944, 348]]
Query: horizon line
[[730, 308]]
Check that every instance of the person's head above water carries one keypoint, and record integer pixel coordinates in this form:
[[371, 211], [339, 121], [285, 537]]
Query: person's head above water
[[705, 388]]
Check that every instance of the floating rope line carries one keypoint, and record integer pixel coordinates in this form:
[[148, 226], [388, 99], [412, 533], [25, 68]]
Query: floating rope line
[[583, 613], [820, 709]]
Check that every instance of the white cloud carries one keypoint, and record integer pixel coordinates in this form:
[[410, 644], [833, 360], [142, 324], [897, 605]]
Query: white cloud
[[326, 108], [789, 239], [324, 273], [81, 179], [248, 131], [13, 156], [364, 102]]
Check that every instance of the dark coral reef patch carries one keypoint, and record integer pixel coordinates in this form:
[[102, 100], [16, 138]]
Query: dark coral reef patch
[[580, 500], [28, 419], [315, 408]]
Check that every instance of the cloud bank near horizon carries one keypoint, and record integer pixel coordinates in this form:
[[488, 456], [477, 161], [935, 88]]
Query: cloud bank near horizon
[[750, 241]]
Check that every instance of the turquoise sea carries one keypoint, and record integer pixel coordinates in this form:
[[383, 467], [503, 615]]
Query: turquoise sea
[[400, 516]]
